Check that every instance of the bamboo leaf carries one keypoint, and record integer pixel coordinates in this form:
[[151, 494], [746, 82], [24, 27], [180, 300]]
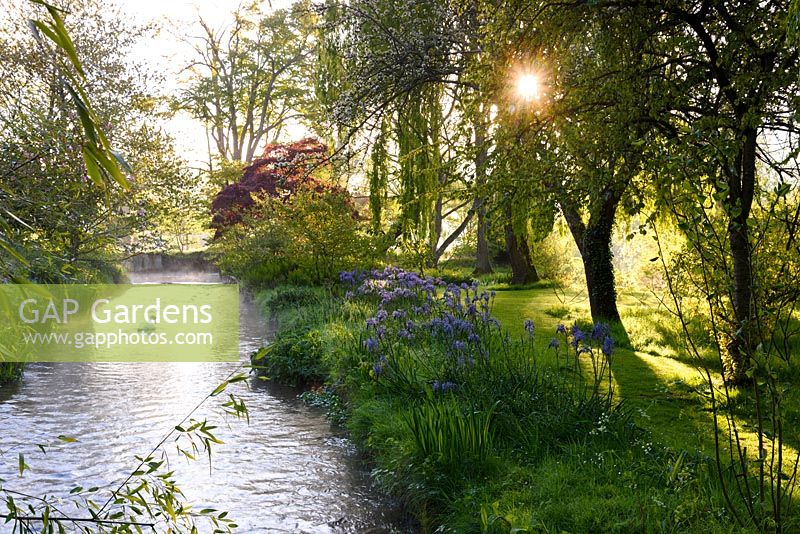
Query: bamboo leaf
[[92, 168], [21, 464], [219, 389]]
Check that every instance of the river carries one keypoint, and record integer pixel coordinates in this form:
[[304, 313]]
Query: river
[[285, 471]]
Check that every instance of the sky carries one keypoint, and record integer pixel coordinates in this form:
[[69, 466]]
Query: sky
[[169, 52]]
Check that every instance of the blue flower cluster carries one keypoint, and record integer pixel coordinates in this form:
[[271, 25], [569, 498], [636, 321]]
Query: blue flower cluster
[[410, 305], [600, 334]]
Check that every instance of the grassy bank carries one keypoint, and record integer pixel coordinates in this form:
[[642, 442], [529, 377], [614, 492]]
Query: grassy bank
[[487, 428]]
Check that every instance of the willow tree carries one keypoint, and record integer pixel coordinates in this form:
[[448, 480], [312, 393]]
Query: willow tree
[[402, 91]]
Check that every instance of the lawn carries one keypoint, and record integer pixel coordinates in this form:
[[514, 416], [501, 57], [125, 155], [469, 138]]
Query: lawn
[[655, 378], [656, 383]]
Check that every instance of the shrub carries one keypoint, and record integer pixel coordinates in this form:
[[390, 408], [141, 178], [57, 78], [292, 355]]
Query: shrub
[[287, 297], [305, 239], [293, 358]]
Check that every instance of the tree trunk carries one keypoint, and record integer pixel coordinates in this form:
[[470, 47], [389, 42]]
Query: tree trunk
[[482, 263], [441, 249], [519, 255], [599, 270], [436, 232], [740, 202], [594, 243]]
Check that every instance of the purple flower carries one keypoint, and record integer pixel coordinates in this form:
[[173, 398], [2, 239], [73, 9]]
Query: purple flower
[[377, 369], [371, 344], [561, 329], [443, 387], [553, 344], [349, 295], [577, 336], [608, 346], [447, 329], [600, 331], [460, 346], [372, 321], [530, 328]]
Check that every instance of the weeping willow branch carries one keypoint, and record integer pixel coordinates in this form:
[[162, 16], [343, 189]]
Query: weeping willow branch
[[96, 521]]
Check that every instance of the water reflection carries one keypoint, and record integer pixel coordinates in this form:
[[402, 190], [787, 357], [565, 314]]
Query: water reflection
[[284, 472]]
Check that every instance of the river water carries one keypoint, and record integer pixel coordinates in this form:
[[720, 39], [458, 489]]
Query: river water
[[285, 471]]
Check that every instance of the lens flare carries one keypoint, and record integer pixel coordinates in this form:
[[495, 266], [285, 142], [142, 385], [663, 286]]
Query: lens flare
[[528, 86]]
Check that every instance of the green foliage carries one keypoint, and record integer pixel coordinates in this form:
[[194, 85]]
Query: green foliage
[[308, 239], [326, 399], [72, 210], [282, 298], [447, 436], [170, 197], [293, 358], [10, 371], [489, 454]]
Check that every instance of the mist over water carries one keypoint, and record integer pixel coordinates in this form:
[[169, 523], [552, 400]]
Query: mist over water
[[285, 471]]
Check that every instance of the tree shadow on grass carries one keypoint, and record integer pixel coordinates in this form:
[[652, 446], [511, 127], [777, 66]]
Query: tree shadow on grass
[[669, 397], [668, 407]]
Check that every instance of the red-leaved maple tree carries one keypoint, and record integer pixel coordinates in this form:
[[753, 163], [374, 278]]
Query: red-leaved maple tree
[[283, 170]]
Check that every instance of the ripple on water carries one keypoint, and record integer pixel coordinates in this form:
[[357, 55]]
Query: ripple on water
[[284, 472]]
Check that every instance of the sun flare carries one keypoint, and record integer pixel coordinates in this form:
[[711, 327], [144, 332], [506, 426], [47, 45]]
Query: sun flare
[[528, 86]]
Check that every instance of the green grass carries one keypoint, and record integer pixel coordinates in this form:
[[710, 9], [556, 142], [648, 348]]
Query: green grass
[[657, 382], [10, 371], [518, 445], [655, 377]]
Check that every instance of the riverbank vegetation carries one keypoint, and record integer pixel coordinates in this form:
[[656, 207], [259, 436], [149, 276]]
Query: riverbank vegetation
[[479, 427], [595, 205]]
